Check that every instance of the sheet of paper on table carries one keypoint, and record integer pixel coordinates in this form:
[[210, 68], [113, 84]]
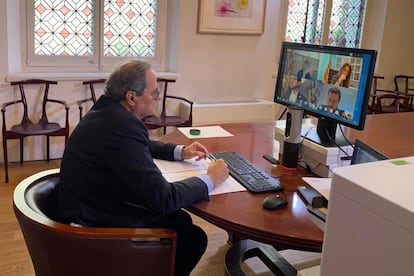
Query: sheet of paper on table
[[205, 132], [177, 170]]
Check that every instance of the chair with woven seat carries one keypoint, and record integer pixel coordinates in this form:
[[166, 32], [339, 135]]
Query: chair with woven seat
[[61, 249], [29, 128], [164, 120], [92, 99]]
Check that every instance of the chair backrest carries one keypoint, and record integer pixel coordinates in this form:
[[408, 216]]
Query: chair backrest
[[23, 99], [164, 120], [92, 98], [404, 83], [390, 103], [375, 85], [61, 249]]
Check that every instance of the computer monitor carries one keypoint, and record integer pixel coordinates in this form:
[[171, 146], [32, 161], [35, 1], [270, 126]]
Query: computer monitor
[[364, 153], [330, 83]]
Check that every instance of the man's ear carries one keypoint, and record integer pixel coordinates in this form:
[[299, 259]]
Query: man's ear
[[130, 97]]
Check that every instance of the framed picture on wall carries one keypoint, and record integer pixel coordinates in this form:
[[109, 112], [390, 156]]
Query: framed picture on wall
[[231, 16]]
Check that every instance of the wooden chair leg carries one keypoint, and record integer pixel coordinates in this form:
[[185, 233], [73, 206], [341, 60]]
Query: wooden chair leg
[[21, 150], [6, 167], [47, 147]]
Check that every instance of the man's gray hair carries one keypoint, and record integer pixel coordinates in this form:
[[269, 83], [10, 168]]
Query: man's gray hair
[[128, 76]]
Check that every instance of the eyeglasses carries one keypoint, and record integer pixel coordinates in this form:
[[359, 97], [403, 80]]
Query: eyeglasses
[[154, 93]]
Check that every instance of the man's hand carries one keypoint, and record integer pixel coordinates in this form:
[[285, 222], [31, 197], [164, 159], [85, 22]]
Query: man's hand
[[218, 172], [194, 150]]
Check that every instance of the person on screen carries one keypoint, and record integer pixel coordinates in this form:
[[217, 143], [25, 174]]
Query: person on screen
[[108, 177], [343, 76], [293, 94], [304, 72], [334, 97]]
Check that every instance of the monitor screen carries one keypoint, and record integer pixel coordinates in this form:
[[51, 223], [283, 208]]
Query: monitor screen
[[364, 153], [331, 83]]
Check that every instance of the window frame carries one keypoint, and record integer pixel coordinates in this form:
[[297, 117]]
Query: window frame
[[97, 62], [325, 21]]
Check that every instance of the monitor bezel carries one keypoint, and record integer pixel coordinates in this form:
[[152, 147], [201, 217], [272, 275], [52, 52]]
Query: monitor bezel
[[330, 50]]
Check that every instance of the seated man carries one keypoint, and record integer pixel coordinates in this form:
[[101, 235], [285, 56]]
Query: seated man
[[292, 93], [334, 96], [108, 177]]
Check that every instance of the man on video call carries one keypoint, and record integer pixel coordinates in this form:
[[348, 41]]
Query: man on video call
[[293, 93], [334, 96]]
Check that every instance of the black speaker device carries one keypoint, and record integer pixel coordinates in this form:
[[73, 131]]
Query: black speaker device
[[291, 144]]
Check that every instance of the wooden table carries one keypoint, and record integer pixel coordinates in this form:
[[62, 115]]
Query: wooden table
[[242, 214]]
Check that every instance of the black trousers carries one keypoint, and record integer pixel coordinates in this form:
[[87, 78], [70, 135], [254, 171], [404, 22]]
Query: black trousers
[[191, 240]]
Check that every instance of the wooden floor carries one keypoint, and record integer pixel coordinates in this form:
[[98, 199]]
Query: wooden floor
[[15, 259]]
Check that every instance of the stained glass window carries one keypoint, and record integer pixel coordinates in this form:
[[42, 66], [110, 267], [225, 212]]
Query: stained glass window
[[347, 19], [63, 28], [305, 22], [129, 28], [67, 28]]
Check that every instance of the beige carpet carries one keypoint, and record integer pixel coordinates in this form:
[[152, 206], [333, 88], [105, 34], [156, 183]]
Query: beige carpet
[[212, 262]]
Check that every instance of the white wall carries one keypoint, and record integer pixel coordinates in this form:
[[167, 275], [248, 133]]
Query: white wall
[[215, 67]]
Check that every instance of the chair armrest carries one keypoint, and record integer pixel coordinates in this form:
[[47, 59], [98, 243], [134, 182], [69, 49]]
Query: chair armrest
[[4, 105], [80, 102], [180, 98], [59, 102], [137, 234], [246, 249]]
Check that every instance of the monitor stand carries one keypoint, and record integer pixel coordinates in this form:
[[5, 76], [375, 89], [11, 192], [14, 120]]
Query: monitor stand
[[325, 133]]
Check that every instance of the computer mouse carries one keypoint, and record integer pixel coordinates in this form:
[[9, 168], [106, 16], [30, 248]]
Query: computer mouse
[[272, 202]]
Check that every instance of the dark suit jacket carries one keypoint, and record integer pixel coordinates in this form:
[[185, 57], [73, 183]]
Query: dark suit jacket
[[108, 177], [299, 99]]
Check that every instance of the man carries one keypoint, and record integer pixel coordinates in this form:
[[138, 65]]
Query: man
[[108, 177], [293, 94], [334, 96], [304, 72]]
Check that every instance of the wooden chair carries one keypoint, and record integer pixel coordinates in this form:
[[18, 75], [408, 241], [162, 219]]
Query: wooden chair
[[27, 127], [393, 102], [373, 96], [92, 98], [164, 120], [405, 84], [60, 249]]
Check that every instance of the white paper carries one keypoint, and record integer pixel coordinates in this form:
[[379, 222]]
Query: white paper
[[205, 132], [178, 170]]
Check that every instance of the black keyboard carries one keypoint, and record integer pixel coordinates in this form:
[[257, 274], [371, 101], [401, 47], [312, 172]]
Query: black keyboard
[[254, 179]]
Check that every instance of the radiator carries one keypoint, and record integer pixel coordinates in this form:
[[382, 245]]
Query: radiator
[[231, 112]]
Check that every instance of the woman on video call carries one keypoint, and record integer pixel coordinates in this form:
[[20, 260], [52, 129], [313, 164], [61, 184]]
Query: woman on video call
[[342, 77]]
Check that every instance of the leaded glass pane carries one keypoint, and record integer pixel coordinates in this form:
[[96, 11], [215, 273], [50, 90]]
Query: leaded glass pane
[[63, 28], [129, 28], [304, 21], [346, 23]]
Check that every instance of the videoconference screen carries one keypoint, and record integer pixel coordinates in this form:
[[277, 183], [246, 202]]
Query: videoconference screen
[[326, 81]]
